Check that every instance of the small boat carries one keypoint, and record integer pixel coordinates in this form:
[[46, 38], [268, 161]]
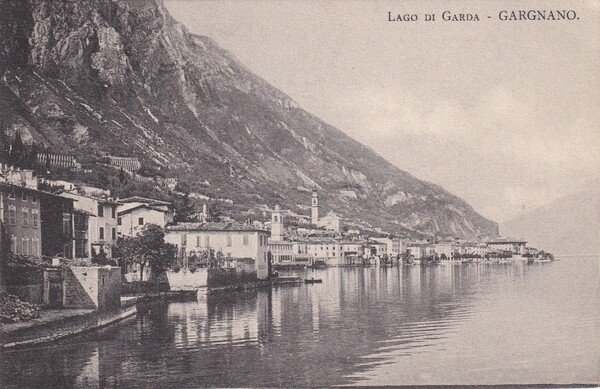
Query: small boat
[[313, 281]]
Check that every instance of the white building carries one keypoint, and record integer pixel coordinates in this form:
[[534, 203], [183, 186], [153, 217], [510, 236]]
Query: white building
[[314, 208], [513, 246], [277, 225], [101, 224], [331, 222], [377, 249], [394, 246], [290, 252], [328, 251], [231, 239], [135, 212], [445, 250]]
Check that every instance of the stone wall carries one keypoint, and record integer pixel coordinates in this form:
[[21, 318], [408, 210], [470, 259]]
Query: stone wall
[[186, 280], [95, 287], [30, 293]]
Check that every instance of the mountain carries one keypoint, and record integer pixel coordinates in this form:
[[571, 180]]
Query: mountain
[[569, 225], [124, 78]]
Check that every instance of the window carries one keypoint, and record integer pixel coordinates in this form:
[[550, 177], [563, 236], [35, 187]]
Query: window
[[67, 250], [35, 218], [80, 222], [114, 233], [11, 195], [24, 244], [100, 210], [67, 226], [141, 221], [34, 198], [24, 217], [13, 245], [207, 240], [197, 240], [101, 233], [114, 212], [228, 240], [24, 196], [119, 221], [245, 240], [12, 215], [81, 248], [102, 280]]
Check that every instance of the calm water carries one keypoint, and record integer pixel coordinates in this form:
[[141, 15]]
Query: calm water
[[454, 324]]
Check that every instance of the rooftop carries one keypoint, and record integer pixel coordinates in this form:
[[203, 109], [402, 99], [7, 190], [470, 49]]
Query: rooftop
[[139, 199], [137, 206], [213, 226]]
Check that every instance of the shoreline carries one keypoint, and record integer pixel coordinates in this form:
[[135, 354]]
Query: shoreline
[[58, 324]]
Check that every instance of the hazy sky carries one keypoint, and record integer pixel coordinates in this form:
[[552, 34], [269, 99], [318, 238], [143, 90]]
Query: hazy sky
[[499, 113]]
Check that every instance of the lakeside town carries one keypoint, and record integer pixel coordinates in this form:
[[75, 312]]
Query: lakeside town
[[68, 246]]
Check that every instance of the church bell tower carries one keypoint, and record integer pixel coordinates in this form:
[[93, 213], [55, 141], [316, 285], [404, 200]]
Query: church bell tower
[[276, 225], [314, 214]]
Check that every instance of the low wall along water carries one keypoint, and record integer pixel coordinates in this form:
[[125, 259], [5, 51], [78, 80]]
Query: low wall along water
[[184, 279]]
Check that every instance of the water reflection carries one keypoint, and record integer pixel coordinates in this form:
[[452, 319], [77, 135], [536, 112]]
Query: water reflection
[[375, 325]]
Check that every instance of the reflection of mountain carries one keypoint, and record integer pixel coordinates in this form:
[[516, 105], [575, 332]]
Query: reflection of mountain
[[569, 225]]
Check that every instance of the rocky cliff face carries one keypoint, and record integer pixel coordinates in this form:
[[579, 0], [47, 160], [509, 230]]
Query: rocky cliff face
[[125, 78]]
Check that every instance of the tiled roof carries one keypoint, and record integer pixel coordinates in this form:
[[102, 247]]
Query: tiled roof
[[127, 210], [139, 199]]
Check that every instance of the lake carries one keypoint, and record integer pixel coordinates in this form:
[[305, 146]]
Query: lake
[[451, 324]]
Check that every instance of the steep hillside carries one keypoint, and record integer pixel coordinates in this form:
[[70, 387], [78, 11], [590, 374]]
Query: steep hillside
[[124, 78], [570, 225]]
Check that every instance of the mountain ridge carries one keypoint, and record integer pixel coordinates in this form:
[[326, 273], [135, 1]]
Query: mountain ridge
[[99, 71], [568, 225]]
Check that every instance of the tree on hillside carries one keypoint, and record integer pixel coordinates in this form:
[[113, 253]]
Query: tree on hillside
[[214, 212], [4, 144], [148, 248], [184, 209], [17, 151], [122, 176]]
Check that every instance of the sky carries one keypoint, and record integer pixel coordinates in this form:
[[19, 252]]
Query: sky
[[502, 114]]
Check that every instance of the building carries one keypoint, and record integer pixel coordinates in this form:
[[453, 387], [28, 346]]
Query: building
[[277, 228], [394, 246], [314, 208], [327, 250], [445, 250], [56, 225], [233, 240], [508, 245], [281, 251], [331, 222], [131, 164], [20, 210], [61, 160], [290, 252], [416, 250], [377, 249], [352, 251], [81, 242], [101, 215], [133, 213]]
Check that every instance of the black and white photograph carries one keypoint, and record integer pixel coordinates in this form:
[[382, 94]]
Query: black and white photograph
[[299, 193]]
